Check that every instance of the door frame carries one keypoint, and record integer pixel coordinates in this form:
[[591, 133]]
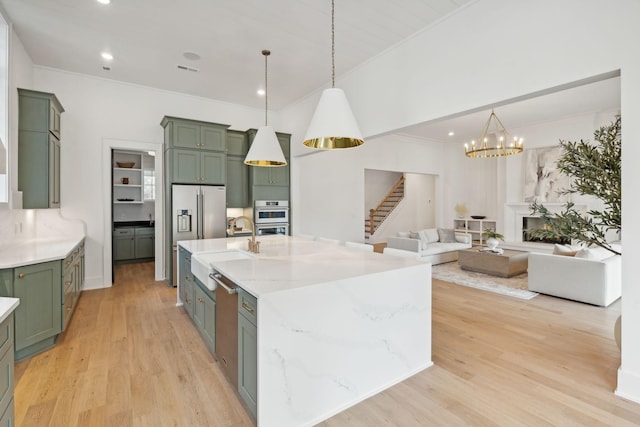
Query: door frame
[[109, 144]]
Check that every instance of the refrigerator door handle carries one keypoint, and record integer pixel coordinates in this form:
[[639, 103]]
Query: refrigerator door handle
[[200, 214], [198, 210]]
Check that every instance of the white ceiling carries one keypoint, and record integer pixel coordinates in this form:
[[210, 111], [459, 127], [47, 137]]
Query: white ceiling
[[149, 37]]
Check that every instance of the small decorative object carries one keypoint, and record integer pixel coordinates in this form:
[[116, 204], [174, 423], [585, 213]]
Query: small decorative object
[[125, 180], [478, 216], [492, 238], [461, 210], [127, 165]]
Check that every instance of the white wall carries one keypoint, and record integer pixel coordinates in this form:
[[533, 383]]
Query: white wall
[[377, 185], [97, 110], [490, 51]]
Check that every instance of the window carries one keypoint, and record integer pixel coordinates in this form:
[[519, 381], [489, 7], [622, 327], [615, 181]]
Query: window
[[149, 184]]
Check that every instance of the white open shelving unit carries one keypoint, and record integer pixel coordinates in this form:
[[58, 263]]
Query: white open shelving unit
[[475, 227], [132, 192]]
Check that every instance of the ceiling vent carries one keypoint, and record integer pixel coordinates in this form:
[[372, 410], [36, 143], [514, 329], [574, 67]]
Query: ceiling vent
[[185, 68]]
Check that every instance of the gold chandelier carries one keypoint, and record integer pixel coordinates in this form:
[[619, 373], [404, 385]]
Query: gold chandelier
[[494, 141]]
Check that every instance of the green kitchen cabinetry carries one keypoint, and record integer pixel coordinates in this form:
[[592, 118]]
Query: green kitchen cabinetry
[[248, 350], [204, 314], [6, 372], [145, 242], [237, 171], [39, 149], [133, 243], [38, 318], [196, 166], [186, 133], [271, 183], [124, 244], [198, 301], [48, 293]]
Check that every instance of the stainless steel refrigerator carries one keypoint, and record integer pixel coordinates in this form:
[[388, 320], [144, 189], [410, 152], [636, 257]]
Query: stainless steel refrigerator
[[198, 212]]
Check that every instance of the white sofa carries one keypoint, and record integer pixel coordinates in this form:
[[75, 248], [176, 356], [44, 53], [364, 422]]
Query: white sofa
[[592, 281], [429, 247]]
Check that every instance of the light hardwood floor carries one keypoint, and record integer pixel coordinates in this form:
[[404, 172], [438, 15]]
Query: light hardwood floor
[[130, 357]]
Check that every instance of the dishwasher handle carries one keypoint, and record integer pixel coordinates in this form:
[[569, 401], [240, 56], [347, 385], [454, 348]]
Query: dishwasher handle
[[216, 277]]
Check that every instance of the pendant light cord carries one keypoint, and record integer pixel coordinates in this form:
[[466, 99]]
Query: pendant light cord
[[266, 53], [333, 44]]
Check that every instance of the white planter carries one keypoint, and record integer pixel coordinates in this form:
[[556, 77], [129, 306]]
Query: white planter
[[492, 243]]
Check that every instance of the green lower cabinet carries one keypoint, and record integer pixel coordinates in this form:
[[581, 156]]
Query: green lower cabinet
[[204, 314], [248, 363], [6, 372], [184, 262], [38, 318], [145, 246], [189, 294]]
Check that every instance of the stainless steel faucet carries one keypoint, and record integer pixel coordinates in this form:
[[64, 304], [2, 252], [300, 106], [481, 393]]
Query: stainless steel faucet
[[253, 245]]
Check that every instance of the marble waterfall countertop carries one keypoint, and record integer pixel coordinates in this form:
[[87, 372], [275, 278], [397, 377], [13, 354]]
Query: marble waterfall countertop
[[287, 263], [7, 305], [34, 251], [335, 325]]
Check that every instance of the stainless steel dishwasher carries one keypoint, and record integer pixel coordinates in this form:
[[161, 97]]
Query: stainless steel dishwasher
[[227, 326]]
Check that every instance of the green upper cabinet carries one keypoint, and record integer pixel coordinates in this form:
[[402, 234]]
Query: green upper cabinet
[[185, 133], [237, 171], [196, 151], [39, 149], [271, 183]]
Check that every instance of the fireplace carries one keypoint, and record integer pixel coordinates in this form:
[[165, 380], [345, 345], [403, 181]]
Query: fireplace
[[536, 223], [515, 213]]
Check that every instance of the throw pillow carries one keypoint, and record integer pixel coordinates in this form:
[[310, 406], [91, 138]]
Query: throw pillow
[[565, 250], [413, 235], [595, 253], [447, 235], [404, 234], [422, 235], [432, 235]]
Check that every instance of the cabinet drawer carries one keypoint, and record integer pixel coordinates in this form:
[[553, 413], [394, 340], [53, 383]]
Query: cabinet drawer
[[8, 419], [145, 231], [123, 232], [248, 306]]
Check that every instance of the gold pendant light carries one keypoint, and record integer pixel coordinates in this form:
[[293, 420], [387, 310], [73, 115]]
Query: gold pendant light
[[265, 149], [494, 142], [333, 124]]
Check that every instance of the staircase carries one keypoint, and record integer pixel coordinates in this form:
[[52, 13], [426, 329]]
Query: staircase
[[386, 206]]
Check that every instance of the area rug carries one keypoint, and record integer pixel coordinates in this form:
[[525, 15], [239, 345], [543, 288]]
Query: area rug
[[515, 286]]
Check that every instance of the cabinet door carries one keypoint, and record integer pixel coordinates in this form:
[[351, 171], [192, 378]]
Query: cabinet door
[[54, 172], [33, 169], [237, 182], [204, 315], [186, 135], [184, 260], [189, 297], [54, 120], [237, 143], [144, 247], [213, 138], [124, 248], [39, 315], [248, 362], [213, 167], [185, 166]]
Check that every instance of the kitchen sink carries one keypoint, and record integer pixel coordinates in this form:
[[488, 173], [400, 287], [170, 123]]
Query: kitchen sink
[[202, 264]]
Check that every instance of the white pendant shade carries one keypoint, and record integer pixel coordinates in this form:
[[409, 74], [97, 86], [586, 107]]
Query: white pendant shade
[[333, 124], [265, 149]]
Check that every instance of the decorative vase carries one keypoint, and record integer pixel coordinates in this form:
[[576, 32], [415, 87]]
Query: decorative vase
[[492, 243]]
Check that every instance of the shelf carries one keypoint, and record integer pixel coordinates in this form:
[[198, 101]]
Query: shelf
[[128, 185], [127, 169], [117, 202]]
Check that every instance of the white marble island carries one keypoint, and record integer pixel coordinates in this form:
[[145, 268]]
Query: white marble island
[[335, 325]]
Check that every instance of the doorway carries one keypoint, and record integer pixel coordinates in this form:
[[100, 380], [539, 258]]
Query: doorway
[[114, 188]]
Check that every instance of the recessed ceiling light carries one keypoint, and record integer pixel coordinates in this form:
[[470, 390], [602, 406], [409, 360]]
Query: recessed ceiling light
[[451, 133], [191, 56], [261, 92], [104, 1], [106, 56]]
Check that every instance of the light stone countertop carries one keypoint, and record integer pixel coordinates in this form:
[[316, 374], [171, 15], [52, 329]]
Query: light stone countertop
[[7, 305], [35, 251], [286, 263]]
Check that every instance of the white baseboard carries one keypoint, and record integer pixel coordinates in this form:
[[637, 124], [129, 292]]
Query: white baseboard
[[628, 385]]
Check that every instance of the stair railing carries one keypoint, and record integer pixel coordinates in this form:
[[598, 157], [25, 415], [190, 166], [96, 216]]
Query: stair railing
[[372, 212]]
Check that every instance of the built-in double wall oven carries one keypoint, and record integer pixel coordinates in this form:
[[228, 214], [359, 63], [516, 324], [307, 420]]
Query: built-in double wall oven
[[271, 217]]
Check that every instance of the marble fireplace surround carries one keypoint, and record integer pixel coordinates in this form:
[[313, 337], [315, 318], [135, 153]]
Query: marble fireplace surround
[[515, 212]]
